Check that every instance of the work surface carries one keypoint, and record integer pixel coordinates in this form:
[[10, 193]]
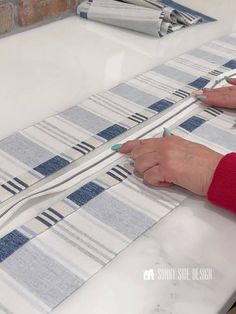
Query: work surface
[[52, 68]]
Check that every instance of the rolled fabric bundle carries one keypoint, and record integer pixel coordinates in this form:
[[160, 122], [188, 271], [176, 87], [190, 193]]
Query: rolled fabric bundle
[[123, 15], [170, 14], [151, 17]]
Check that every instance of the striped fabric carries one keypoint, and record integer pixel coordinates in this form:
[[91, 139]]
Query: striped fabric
[[45, 260], [42, 149], [156, 18], [212, 127]]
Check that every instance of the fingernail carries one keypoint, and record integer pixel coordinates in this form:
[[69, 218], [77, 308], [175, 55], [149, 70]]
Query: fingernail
[[167, 132], [197, 93], [116, 147], [201, 97]]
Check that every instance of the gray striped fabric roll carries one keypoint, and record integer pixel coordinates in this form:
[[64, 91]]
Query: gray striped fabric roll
[[155, 18], [45, 260]]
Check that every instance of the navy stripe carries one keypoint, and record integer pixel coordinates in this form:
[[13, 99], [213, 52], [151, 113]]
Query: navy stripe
[[199, 83], [192, 123], [179, 95], [138, 118], [137, 121], [79, 150], [142, 116], [52, 165], [125, 170], [10, 243], [119, 172], [181, 7], [83, 14], [213, 114], [218, 110], [114, 176], [183, 92], [55, 213], [231, 64], [8, 189], [161, 105], [50, 217], [86, 193], [21, 182], [112, 132], [85, 148], [89, 145], [14, 186], [214, 110], [43, 221]]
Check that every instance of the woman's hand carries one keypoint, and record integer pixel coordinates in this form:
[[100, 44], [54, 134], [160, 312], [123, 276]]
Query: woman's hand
[[224, 97], [167, 160]]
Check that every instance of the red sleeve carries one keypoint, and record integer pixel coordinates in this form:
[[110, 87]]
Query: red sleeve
[[222, 191]]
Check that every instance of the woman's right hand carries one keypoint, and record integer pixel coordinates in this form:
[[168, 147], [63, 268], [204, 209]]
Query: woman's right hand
[[224, 97]]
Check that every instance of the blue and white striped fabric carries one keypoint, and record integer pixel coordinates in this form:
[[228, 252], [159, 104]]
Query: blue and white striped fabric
[[45, 260], [156, 18], [42, 149]]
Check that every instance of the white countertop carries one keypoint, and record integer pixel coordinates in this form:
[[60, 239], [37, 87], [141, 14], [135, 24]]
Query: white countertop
[[51, 68]]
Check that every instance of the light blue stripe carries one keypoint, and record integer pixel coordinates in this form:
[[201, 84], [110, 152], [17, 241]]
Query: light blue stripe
[[209, 57], [85, 119], [134, 94], [217, 136], [175, 74], [33, 302], [229, 39], [25, 150], [118, 215], [47, 279]]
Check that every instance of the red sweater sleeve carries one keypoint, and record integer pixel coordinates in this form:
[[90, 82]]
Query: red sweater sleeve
[[222, 191]]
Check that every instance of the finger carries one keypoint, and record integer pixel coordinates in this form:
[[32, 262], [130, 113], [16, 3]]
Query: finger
[[146, 162], [153, 176], [204, 91], [231, 81], [222, 90], [130, 145], [220, 100]]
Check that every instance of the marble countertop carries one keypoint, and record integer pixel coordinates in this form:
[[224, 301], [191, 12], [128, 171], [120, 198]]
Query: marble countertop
[[51, 68]]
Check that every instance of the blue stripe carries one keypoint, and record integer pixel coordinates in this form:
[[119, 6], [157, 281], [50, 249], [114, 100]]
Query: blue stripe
[[199, 83], [86, 193], [181, 7], [112, 132], [84, 15], [10, 243], [161, 105], [52, 165], [192, 123], [21, 182], [231, 64]]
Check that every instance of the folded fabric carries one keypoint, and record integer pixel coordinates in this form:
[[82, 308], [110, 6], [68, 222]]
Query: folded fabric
[[151, 17]]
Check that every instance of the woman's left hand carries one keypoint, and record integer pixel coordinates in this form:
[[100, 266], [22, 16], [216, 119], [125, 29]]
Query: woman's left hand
[[167, 160]]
